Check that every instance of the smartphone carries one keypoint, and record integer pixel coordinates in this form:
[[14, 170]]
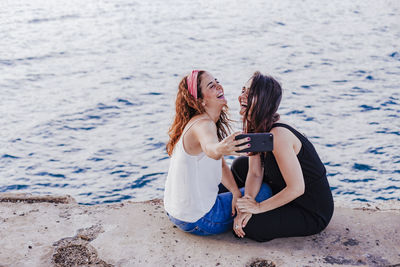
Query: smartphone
[[260, 142]]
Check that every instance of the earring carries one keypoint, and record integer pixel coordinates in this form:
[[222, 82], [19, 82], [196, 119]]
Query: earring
[[203, 103]]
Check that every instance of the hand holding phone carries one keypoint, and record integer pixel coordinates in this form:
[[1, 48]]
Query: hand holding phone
[[259, 142]]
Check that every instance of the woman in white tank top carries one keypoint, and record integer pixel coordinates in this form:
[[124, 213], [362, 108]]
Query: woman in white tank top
[[197, 167]]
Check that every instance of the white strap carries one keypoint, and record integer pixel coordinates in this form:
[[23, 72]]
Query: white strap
[[192, 123]]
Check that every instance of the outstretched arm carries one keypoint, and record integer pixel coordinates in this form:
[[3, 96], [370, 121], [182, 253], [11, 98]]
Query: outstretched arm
[[206, 133]]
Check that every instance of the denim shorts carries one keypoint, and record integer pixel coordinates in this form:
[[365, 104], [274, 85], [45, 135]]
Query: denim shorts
[[219, 219]]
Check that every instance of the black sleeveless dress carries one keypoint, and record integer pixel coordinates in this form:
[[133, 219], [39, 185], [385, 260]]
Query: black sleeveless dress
[[306, 215]]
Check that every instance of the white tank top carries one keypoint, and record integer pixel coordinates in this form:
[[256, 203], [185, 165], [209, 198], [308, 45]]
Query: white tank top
[[192, 183]]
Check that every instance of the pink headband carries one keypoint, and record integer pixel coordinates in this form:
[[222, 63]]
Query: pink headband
[[192, 83]]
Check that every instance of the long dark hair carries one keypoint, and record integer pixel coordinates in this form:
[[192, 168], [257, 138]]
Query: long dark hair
[[186, 107], [263, 101]]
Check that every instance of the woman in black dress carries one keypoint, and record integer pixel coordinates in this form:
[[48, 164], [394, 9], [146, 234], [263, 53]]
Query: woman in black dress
[[302, 201]]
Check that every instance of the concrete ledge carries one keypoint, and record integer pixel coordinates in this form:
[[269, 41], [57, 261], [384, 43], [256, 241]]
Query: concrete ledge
[[47, 233], [28, 198]]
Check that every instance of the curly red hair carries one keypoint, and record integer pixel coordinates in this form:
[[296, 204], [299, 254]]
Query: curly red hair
[[186, 107]]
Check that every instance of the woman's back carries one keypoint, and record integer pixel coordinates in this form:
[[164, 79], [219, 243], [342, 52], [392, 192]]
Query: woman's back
[[317, 197], [192, 182], [312, 167]]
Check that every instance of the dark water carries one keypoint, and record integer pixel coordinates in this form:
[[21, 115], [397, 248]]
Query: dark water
[[87, 87]]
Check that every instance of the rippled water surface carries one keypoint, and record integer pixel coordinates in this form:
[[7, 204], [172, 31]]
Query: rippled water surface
[[87, 88]]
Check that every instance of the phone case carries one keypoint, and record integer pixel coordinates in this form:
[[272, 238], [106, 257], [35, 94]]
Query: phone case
[[260, 142]]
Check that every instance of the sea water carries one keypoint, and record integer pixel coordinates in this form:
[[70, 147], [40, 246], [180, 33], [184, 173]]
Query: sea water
[[87, 88]]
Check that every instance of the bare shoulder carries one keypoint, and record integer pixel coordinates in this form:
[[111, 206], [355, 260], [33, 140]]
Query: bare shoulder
[[281, 133], [203, 124], [283, 138]]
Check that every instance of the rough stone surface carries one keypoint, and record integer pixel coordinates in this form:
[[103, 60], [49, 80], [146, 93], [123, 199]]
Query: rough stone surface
[[76, 251], [27, 198], [140, 234]]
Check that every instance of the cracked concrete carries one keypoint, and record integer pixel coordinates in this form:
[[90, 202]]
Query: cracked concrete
[[76, 251], [139, 234]]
